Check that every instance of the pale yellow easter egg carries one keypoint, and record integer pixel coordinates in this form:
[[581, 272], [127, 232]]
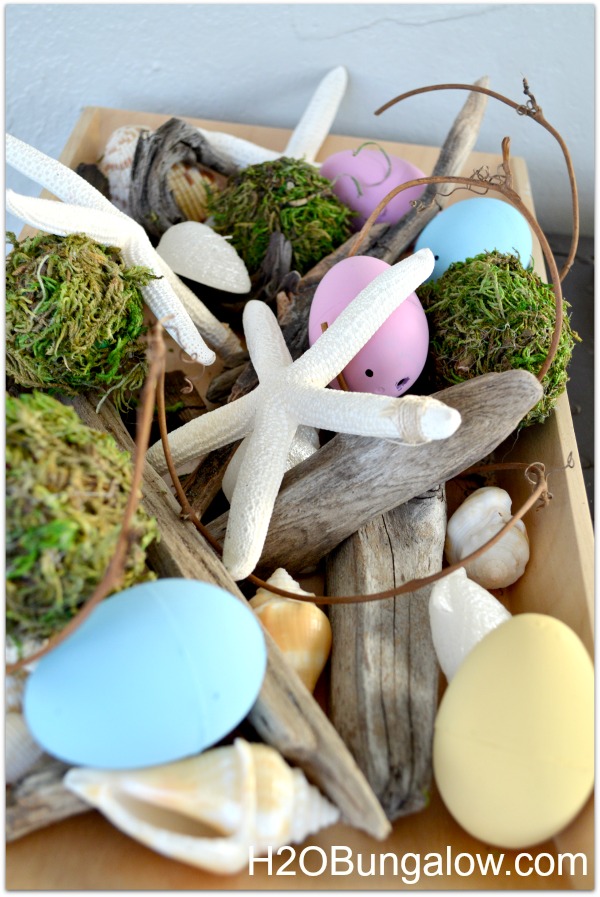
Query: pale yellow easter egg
[[513, 751]]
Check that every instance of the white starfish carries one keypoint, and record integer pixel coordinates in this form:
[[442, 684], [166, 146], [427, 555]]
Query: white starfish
[[292, 393], [85, 210]]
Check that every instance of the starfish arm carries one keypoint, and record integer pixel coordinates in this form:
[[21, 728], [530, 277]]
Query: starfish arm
[[363, 317], [207, 432], [312, 129], [410, 419], [216, 334], [55, 177], [63, 218], [257, 484], [266, 345], [239, 152]]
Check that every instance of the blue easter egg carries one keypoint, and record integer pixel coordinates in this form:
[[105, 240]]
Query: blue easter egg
[[473, 226], [156, 673]]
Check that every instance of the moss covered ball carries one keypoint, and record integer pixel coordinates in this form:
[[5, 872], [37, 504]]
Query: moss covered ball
[[286, 195], [489, 313], [74, 317], [66, 491]]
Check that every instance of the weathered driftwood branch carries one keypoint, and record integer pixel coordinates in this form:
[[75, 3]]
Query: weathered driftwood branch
[[285, 714], [205, 482], [40, 799], [387, 243], [384, 670], [351, 479]]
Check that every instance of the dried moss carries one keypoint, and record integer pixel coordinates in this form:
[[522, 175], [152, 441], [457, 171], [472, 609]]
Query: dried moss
[[74, 317], [286, 195], [490, 313], [66, 490]]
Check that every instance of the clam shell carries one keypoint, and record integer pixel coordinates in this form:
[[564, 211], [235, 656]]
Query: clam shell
[[301, 629], [194, 250], [21, 750], [461, 613], [479, 517], [209, 810], [189, 184], [117, 160]]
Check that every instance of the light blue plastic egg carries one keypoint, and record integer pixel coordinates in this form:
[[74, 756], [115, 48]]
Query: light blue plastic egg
[[473, 226], [156, 673]]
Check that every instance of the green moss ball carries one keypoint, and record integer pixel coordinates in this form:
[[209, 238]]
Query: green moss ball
[[286, 195], [74, 317], [490, 313], [66, 491]]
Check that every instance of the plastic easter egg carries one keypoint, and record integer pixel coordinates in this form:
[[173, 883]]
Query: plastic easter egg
[[156, 673], [362, 179], [390, 362], [513, 748], [473, 226]]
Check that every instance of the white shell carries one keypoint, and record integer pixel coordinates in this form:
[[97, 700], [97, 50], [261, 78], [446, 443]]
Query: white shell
[[461, 613], [304, 444], [209, 810], [478, 519], [22, 751], [117, 160], [194, 250]]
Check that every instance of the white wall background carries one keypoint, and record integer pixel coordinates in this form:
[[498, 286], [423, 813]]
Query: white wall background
[[260, 63]]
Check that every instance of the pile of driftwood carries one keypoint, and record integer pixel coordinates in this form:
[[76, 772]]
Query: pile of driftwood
[[372, 757]]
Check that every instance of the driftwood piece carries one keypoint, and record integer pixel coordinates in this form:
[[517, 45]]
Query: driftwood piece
[[285, 715], [384, 670], [352, 478], [151, 198], [221, 385], [205, 482], [384, 242], [40, 799]]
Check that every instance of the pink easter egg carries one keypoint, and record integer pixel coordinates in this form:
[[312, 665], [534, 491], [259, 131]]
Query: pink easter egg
[[374, 178], [391, 361]]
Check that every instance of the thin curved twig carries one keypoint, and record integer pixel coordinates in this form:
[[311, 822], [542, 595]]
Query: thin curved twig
[[531, 109]]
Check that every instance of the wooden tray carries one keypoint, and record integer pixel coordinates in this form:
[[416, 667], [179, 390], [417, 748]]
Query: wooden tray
[[88, 853]]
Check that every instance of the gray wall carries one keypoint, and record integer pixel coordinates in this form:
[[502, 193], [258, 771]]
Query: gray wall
[[260, 63]]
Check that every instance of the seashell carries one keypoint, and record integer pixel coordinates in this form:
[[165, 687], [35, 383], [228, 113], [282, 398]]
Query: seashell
[[194, 250], [304, 444], [301, 629], [22, 751], [210, 810], [481, 516], [190, 184], [117, 160], [461, 613]]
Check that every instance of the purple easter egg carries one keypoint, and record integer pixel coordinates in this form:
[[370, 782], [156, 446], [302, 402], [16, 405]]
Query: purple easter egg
[[390, 362], [375, 176]]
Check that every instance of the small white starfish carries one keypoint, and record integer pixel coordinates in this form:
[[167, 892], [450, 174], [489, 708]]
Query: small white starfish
[[85, 210], [290, 394]]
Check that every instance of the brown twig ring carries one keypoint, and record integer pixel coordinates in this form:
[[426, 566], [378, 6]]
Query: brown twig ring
[[531, 110]]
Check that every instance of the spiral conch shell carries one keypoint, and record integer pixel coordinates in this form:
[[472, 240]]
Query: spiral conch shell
[[301, 629], [210, 810], [480, 517]]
